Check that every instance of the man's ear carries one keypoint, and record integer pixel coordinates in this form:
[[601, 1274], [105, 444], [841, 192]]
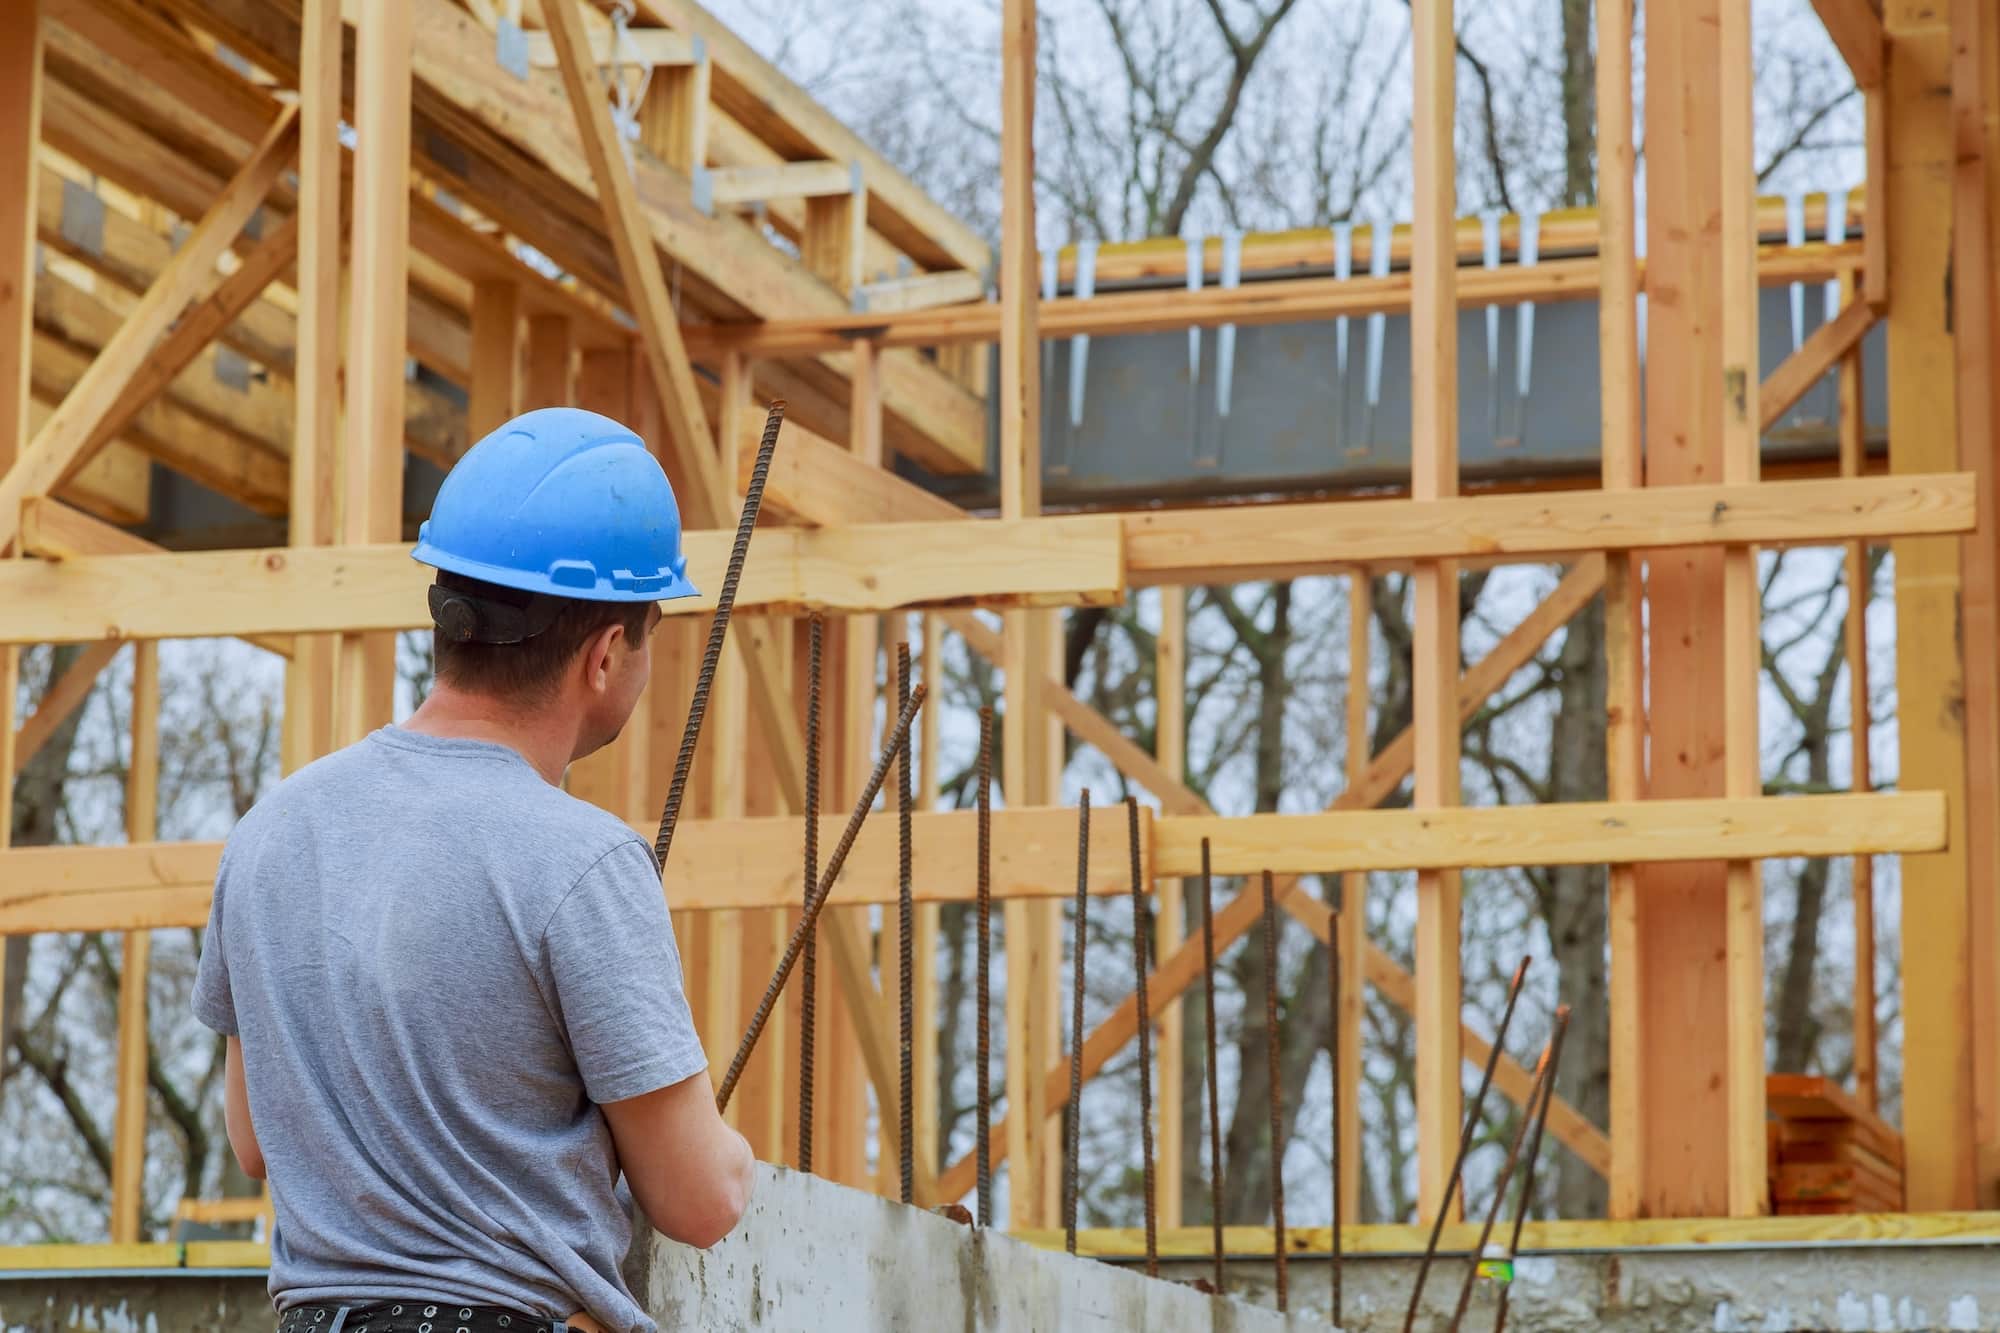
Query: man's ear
[[598, 655]]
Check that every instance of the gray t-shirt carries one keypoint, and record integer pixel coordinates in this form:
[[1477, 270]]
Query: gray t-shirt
[[438, 964]]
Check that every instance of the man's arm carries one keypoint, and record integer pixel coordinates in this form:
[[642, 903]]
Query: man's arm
[[690, 1172], [236, 1113]]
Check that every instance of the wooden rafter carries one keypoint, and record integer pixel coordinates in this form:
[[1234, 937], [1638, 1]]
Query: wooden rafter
[[1856, 29], [62, 445]]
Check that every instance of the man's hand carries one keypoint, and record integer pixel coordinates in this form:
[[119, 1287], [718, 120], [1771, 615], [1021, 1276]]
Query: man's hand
[[689, 1171]]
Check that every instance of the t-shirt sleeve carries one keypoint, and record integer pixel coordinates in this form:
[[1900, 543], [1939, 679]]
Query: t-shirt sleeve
[[616, 974], [214, 1005]]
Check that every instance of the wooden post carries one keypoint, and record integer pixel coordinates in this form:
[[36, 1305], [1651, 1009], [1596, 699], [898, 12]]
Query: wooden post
[[142, 804], [924, 1109], [20, 132], [550, 378], [315, 481], [1938, 1059], [1624, 579], [1679, 930], [1972, 46], [1743, 615], [1170, 749], [1030, 969], [1353, 937], [834, 241], [496, 357], [1853, 442], [1433, 476], [373, 471], [724, 754]]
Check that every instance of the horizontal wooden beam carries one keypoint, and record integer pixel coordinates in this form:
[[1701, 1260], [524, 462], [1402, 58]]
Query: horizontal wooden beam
[[1579, 833], [922, 291], [1281, 301], [747, 863], [727, 187], [300, 590]]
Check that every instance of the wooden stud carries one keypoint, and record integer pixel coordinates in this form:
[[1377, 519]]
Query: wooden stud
[[1938, 1093], [726, 746], [551, 362], [142, 798], [835, 237], [1433, 476], [1170, 752], [20, 132], [372, 472], [1853, 426], [924, 1113], [496, 357], [1973, 38], [1624, 591], [1353, 935], [315, 464]]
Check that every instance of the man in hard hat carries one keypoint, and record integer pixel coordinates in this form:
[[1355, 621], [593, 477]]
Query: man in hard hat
[[454, 1009]]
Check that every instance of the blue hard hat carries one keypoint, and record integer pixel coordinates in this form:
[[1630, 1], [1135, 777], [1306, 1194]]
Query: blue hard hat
[[563, 502]]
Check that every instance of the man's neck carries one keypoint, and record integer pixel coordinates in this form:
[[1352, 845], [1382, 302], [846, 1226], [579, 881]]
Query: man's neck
[[542, 738]]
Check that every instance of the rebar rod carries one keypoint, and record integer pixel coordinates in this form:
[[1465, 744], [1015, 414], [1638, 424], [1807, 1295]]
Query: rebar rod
[[1333, 1049], [985, 923], [1208, 1023], [718, 628], [809, 981], [1076, 1024], [1536, 1091], [1139, 964], [906, 927], [1534, 1158], [833, 867], [1277, 1088], [1465, 1144]]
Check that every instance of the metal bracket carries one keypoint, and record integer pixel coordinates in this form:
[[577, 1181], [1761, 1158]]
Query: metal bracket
[[1528, 255], [1195, 249], [1225, 341], [231, 369], [510, 48], [1380, 241], [701, 185], [1489, 236], [1084, 288]]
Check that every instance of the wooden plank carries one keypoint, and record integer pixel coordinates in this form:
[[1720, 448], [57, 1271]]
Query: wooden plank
[[142, 802], [1877, 1140], [372, 463], [20, 131], [1808, 366], [1170, 930], [315, 479], [1860, 728], [924, 1113], [1274, 301], [644, 46], [1570, 833], [1622, 468], [875, 568], [817, 481], [675, 116], [921, 291], [1433, 476], [59, 700], [61, 446], [729, 186], [550, 375], [1351, 938], [496, 357], [1856, 29], [1938, 1060], [1743, 617]]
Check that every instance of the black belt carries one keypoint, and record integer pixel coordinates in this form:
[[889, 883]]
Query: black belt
[[412, 1316]]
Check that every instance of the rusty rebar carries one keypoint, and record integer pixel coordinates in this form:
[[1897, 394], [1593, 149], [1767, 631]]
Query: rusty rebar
[[809, 982], [1465, 1143], [1139, 965], [1536, 1091], [1534, 1158], [1277, 1087], [1333, 1049], [1076, 1024], [1208, 1022], [833, 867], [984, 910], [718, 628], [906, 927]]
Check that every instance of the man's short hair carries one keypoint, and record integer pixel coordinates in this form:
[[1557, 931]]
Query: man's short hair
[[528, 669]]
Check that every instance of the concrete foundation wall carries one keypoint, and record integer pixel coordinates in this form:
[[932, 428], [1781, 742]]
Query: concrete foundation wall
[[814, 1255], [1856, 1288]]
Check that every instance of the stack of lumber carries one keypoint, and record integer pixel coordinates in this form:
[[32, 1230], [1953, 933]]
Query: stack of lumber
[[1829, 1153]]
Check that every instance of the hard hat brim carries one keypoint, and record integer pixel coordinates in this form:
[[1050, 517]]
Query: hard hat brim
[[673, 588]]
